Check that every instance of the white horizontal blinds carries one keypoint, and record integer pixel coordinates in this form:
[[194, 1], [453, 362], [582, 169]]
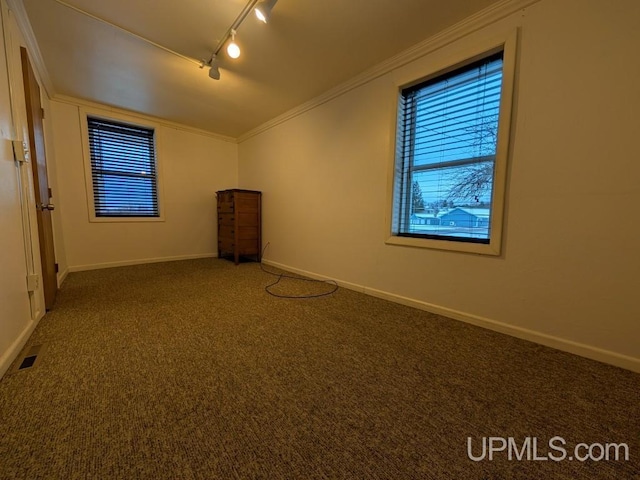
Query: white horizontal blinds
[[400, 172], [123, 168], [448, 152]]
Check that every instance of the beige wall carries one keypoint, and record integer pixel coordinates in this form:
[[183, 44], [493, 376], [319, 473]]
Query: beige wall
[[569, 270], [194, 166]]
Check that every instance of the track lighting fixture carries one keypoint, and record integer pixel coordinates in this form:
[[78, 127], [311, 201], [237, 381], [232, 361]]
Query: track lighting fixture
[[233, 49], [214, 71], [263, 9]]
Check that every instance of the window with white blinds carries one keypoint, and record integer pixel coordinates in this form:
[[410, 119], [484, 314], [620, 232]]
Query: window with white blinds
[[123, 169], [446, 144]]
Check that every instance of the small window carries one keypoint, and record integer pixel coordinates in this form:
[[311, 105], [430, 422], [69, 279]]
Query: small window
[[123, 169], [449, 166]]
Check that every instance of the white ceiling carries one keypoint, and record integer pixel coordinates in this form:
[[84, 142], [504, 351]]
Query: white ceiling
[[307, 48]]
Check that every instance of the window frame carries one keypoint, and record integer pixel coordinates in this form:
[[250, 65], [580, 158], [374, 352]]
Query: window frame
[[84, 113], [506, 43]]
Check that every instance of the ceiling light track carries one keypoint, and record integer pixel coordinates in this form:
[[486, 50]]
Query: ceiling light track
[[235, 25], [262, 9], [133, 34]]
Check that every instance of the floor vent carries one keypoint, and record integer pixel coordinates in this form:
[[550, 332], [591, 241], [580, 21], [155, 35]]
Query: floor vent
[[30, 358]]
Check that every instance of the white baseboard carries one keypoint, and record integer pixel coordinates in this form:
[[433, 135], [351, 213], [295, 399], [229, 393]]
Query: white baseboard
[[9, 356], [141, 261], [581, 349], [62, 276]]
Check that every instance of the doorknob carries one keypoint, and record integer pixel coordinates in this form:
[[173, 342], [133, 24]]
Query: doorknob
[[49, 206]]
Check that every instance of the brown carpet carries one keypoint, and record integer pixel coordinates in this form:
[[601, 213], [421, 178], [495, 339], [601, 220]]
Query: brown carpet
[[189, 370]]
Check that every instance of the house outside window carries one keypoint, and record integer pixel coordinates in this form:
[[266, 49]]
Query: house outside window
[[451, 153]]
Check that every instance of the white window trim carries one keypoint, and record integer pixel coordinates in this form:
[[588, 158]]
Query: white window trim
[[507, 43], [86, 155]]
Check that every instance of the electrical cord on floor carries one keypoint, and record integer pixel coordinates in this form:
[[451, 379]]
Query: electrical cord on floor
[[283, 275]]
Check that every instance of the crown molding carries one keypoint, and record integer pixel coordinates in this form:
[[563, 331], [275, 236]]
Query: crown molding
[[79, 102], [22, 19], [482, 19]]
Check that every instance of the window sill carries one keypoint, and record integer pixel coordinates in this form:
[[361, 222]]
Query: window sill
[[464, 247]]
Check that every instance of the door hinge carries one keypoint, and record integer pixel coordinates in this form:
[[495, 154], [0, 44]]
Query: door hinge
[[42, 111], [57, 268]]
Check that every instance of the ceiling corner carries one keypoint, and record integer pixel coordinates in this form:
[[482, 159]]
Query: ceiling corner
[[17, 8]]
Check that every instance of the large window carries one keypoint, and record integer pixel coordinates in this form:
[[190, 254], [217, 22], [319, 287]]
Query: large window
[[450, 164], [123, 169]]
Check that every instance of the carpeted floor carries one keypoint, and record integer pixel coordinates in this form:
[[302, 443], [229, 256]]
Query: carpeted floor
[[189, 370]]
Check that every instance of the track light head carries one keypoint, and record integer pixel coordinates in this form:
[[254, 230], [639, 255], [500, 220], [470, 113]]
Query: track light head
[[214, 71], [233, 50], [263, 10]]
